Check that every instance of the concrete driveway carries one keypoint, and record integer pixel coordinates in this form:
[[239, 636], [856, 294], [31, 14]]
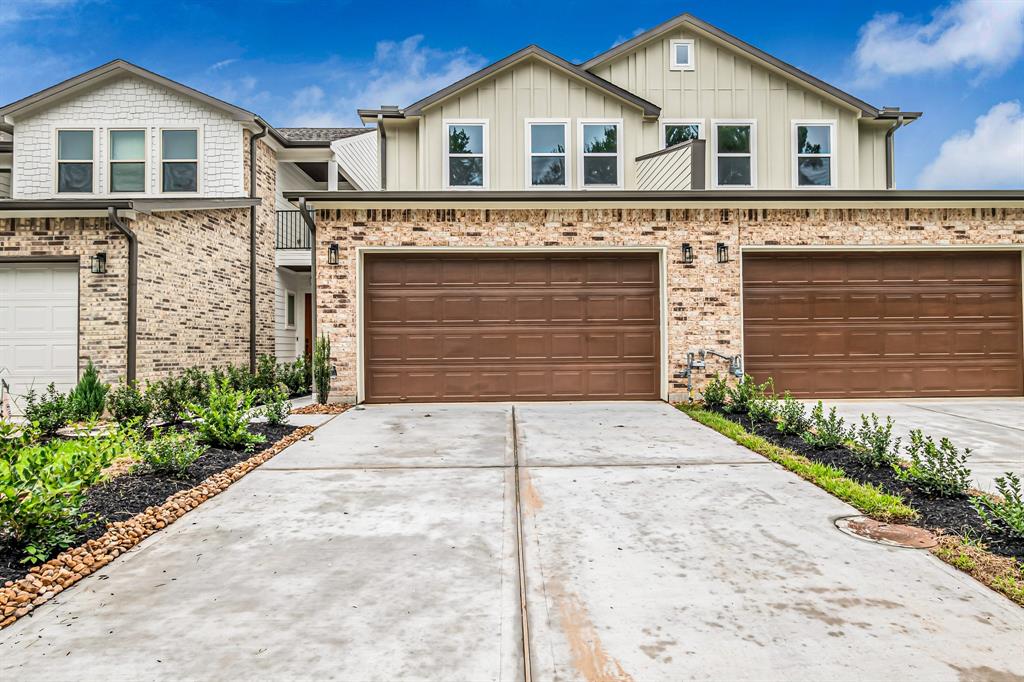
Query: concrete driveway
[[556, 541], [993, 428]]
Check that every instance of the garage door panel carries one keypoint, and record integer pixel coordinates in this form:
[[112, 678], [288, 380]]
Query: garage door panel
[[908, 324]]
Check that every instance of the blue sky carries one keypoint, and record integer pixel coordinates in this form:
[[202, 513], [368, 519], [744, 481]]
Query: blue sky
[[299, 63]]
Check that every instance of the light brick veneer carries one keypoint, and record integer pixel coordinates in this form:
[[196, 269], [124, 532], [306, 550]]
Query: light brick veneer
[[703, 298]]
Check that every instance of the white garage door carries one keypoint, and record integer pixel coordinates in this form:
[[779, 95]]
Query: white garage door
[[38, 326]]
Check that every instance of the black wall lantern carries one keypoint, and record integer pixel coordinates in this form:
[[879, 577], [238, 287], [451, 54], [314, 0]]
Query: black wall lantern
[[332, 254], [98, 264], [687, 254], [722, 252]]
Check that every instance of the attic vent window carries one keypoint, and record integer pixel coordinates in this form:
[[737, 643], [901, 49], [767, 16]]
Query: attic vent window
[[682, 58]]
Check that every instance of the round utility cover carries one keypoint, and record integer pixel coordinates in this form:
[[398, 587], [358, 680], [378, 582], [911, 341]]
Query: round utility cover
[[891, 534]]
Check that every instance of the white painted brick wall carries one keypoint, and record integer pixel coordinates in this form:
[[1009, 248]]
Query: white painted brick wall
[[128, 103]]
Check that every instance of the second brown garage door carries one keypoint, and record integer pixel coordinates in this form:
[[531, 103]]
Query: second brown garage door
[[891, 324], [468, 327]]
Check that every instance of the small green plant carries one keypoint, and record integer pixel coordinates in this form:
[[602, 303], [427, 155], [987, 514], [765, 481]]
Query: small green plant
[[935, 469], [266, 377], [224, 420], [240, 378], [745, 392], [873, 443], [50, 412], [195, 385], [792, 416], [168, 396], [763, 409], [128, 404], [715, 392], [296, 376], [275, 405], [89, 397], [1005, 515], [825, 432], [16, 435], [171, 452], [322, 368]]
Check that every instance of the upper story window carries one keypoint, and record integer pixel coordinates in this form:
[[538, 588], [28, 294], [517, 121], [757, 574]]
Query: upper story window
[[601, 154], [179, 158], [735, 162], [127, 160], [682, 57], [675, 132], [74, 161], [815, 142], [465, 158], [547, 161]]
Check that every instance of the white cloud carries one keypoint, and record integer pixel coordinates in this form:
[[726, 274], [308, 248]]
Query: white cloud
[[989, 157], [986, 35], [621, 39], [224, 63], [12, 11]]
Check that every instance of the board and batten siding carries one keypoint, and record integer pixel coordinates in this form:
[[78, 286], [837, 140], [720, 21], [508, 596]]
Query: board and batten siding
[[288, 341], [727, 85]]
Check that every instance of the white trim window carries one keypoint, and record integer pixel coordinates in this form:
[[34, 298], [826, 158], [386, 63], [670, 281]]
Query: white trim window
[[179, 160], [289, 309], [681, 55], [465, 154], [678, 130], [735, 158], [600, 153], [547, 157], [814, 144], [76, 172], [127, 160]]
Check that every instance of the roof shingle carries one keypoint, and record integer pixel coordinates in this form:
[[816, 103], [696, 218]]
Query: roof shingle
[[320, 134]]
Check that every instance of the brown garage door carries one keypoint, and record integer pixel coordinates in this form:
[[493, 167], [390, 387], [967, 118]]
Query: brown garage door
[[885, 324], [465, 327]]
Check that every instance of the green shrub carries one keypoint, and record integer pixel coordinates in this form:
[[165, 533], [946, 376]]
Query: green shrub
[[276, 407], [715, 392], [266, 378], [170, 452], [240, 378], [1005, 515], [825, 432], [89, 397], [195, 384], [169, 397], [792, 416], [935, 469], [745, 391], [128, 404], [763, 409], [296, 376], [15, 436], [49, 412], [873, 443], [224, 420], [322, 368]]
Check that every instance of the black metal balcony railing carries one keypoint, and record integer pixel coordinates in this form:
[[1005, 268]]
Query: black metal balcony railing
[[292, 232]]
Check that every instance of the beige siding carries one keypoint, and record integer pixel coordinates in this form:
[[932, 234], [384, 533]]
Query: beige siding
[[727, 85], [872, 154], [357, 158]]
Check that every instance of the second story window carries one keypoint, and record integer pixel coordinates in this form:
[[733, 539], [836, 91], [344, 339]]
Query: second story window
[[676, 132], [127, 160], [814, 143], [546, 158], [735, 142], [74, 161], [179, 157], [465, 155], [682, 55], [601, 152]]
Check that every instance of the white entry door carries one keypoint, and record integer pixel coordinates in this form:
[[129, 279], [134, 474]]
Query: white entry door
[[38, 327]]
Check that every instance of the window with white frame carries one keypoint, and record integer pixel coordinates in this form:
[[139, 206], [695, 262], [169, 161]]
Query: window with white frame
[[547, 161], [601, 153], [127, 160], [74, 161], [734, 146], [179, 160], [815, 142], [681, 53], [465, 157], [674, 132], [290, 310]]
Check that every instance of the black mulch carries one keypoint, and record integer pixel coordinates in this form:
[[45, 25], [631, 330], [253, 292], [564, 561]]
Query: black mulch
[[123, 497], [952, 514]]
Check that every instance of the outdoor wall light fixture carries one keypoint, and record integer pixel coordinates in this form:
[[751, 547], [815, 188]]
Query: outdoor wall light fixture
[[98, 264], [723, 252], [332, 254], [687, 254]]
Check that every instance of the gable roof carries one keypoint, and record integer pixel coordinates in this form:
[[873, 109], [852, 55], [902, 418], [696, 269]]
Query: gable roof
[[109, 71], [716, 33], [534, 51]]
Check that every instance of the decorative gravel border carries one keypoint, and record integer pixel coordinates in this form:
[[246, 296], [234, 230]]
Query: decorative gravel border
[[43, 582]]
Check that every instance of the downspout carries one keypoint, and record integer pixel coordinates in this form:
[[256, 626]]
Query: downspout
[[133, 289], [383, 152], [890, 153], [311, 226], [252, 246]]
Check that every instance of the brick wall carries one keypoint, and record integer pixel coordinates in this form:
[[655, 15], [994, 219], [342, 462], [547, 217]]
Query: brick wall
[[703, 298], [266, 227]]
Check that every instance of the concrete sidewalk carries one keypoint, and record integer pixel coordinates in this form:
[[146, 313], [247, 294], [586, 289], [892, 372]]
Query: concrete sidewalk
[[390, 547]]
